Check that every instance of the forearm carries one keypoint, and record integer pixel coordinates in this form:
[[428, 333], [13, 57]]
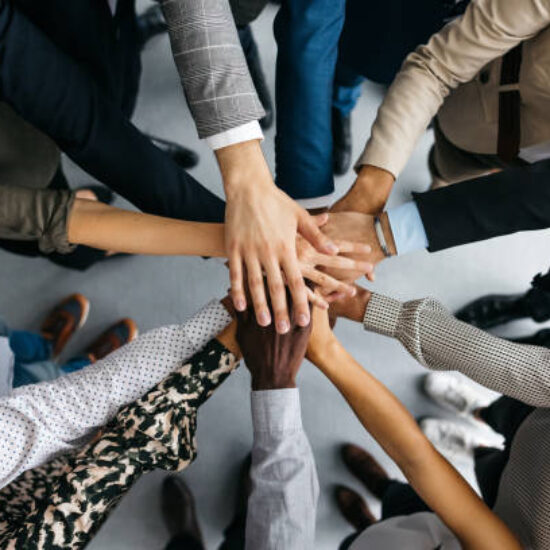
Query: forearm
[[40, 421], [101, 226], [211, 65], [453, 56], [440, 342], [499, 204], [385, 418], [283, 503]]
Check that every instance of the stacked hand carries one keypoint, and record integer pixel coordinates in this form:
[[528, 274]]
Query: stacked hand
[[272, 358], [267, 233]]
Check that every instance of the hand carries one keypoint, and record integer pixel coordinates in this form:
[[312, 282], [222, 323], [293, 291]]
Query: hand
[[273, 359], [261, 227], [352, 308], [356, 227], [310, 260], [369, 193]]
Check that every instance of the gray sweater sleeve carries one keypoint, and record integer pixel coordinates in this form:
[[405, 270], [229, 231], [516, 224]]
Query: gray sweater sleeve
[[440, 342], [36, 214], [211, 64]]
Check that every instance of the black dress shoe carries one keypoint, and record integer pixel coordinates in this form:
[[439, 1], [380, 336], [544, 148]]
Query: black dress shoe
[[179, 511], [341, 142], [493, 310], [252, 55], [150, 23], [186, 158], [540, 338], [490, 311]]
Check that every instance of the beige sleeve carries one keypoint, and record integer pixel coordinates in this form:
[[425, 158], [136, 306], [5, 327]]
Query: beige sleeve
[[439, 341], [453, 56]]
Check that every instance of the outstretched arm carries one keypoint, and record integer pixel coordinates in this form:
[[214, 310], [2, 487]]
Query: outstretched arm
[[283, 502], [393, 427], [439, 341], [40, 421]]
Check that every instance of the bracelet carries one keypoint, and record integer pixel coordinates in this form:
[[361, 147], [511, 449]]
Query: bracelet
[[381, 237]]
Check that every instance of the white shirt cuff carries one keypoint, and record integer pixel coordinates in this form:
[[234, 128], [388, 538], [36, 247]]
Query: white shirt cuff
[[276, 410], [407, 228], [245, 132], [317, 202]]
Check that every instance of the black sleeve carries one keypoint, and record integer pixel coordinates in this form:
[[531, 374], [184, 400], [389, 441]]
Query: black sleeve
[[499, 204]]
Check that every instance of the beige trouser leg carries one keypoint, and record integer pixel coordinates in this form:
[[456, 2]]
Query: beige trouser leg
[[448, 164]]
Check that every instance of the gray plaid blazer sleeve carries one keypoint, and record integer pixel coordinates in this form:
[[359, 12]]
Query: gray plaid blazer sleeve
[[211, 64], [439, 341]]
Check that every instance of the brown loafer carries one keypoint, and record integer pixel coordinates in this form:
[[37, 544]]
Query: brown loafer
[[354, 508], [64, 320], [366, 469], [113, 338]]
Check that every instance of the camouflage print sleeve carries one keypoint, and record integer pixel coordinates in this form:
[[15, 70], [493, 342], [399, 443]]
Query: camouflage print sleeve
[[72, 497]]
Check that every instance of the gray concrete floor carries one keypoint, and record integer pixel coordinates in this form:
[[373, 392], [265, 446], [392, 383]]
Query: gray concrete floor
[[157, 291]]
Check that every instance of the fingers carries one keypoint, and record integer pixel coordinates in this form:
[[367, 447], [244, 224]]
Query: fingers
[[341, 262], [236, 277], [257, 291], [316, 299], [277, 292], [298, 290], [308, 228], [349, 247], [327, 284], [321, 219]]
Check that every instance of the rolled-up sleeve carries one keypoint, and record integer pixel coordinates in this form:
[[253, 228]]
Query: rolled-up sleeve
[[36, 214]]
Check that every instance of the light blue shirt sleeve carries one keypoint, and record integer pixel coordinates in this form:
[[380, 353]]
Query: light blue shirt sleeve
[[285, 489], [407, 228]]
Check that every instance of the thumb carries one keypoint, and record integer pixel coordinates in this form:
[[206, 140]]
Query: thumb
[[309, 229]]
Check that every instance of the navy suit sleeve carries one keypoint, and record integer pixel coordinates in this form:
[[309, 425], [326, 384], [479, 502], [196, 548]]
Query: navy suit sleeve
[[52, 91], [499, 204]]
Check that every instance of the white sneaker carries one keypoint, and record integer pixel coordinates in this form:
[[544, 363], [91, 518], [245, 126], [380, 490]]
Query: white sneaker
[[458, 439], [454, 393]]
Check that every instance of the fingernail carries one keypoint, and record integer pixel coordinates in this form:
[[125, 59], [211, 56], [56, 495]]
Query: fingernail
[[303, 320], [367, 267], [240, 305], [352, 291], [264, 318], [367, 248], [331, 248], [283, 327]]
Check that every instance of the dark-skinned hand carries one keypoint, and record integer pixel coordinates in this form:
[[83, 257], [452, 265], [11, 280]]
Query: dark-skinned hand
[[273, 359]]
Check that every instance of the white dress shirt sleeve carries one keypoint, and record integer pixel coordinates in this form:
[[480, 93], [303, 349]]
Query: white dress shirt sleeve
[[285, 489], [40, 421], [407, 228], [245, 132]]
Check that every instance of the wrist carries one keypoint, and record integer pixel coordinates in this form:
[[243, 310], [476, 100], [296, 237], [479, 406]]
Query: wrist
[[264, 383], [388, 234], [243, 167], [374, 185], [323, 355]]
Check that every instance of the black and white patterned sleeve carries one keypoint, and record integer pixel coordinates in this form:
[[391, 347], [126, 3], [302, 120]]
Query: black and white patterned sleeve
[[439, 341]]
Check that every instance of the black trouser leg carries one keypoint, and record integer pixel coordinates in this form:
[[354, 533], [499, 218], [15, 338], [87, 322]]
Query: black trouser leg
[[400, 499], [504, 416], [184, 542], [235, 534]]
